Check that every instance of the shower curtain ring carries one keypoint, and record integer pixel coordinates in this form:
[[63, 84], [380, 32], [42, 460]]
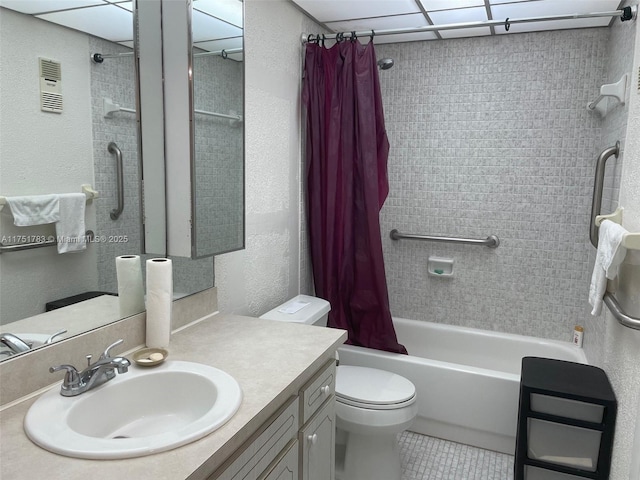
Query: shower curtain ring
[[354, 37], [373, 34], [323, 39], [224, 54], [507, 25], [340, 37], [310, 38]]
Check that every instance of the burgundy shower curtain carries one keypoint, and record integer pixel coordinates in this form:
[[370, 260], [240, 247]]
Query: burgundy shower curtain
[[346, 154]]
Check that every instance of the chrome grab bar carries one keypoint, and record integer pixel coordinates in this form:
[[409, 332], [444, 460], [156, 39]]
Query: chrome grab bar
[[492, 241], [619, 314], [598, 184], [116, 212], [609, 300]]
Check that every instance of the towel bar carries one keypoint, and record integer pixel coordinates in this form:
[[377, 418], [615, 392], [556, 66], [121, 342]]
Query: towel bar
[[87, 189], [29, 246]]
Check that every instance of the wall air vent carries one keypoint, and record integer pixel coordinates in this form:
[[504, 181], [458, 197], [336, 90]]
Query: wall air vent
[[50, 86]]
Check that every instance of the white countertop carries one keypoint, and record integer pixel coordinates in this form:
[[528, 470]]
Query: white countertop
[[270, 360]]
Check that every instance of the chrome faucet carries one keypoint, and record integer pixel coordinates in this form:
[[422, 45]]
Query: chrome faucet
[[95, 374], [15, 344]]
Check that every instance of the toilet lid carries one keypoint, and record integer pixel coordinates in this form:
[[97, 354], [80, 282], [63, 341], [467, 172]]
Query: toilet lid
[[370, 386]]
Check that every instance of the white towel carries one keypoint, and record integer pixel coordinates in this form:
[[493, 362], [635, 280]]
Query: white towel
[[34, 209], [609, 256], [70, 229]]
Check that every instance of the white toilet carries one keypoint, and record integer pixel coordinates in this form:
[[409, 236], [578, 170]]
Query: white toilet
[[372, 406]]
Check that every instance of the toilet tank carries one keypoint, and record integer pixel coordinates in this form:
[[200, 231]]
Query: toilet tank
[[301, 309]]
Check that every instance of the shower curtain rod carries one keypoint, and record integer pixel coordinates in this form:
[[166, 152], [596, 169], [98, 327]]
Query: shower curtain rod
[[627, 13], [99, 57]]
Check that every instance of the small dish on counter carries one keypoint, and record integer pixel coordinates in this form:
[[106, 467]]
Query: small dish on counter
[[148, 357]]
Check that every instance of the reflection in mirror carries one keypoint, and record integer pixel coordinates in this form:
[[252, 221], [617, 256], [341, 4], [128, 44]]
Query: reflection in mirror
[[218, 79], [52, 153]]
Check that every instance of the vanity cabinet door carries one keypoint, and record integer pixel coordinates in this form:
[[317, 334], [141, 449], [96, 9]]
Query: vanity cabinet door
[[258, 453], [317, 444], [286, 468]]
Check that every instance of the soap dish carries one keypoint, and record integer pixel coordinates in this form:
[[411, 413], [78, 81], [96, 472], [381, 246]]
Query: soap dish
[[148, 357]]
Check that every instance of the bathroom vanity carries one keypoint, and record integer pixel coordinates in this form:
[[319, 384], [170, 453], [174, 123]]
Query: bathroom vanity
[[284, 428]]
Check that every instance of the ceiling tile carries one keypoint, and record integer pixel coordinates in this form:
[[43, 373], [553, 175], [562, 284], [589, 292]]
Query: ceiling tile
[[405, 37], [206, 27], [335, 10], [106, 21], [43, 6], [543, 8], [430, 5], [397, 21], [227, 10], [462, 15], [125, 5]]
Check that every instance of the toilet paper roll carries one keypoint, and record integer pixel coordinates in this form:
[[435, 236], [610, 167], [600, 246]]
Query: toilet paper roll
[[159, 302], [130, 289]]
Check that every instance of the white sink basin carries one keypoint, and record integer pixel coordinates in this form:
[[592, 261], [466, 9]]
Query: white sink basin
[[143, 411]]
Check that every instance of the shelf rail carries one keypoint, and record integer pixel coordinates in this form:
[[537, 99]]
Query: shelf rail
[[108, 108], [29, 246], [492, 241]]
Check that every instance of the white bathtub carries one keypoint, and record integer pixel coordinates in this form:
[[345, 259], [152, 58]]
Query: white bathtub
[[467, 380]]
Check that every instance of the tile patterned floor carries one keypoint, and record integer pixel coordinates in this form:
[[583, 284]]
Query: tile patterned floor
[[427, 458]]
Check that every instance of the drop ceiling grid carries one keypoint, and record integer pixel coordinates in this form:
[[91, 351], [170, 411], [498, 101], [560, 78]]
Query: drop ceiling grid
[[358, 15]]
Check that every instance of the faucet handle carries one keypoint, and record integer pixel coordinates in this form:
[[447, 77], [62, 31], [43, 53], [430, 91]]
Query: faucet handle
[[106, 351], [71, 378]]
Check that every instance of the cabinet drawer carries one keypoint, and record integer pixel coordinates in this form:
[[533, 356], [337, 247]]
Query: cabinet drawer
[[314, 393], [254, 457], [564, 444], [564, 407], [286, 468]]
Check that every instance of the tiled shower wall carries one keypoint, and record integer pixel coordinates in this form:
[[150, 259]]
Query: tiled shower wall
[[115, 79], [490, 135], [219, 158]]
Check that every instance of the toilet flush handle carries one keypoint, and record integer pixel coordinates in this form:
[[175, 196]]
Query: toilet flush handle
[[313, 439]]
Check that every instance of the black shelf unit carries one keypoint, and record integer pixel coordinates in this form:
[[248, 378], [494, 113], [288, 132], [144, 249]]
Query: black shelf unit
[[576, 402]]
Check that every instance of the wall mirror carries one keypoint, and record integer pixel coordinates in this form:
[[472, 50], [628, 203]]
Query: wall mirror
[[201, 85], [44, 152]]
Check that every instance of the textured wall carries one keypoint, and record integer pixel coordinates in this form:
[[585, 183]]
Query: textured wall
[[266, 273], [491, 136], [42, 153]]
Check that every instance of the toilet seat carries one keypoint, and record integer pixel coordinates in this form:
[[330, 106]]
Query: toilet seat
[[373, 389]]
